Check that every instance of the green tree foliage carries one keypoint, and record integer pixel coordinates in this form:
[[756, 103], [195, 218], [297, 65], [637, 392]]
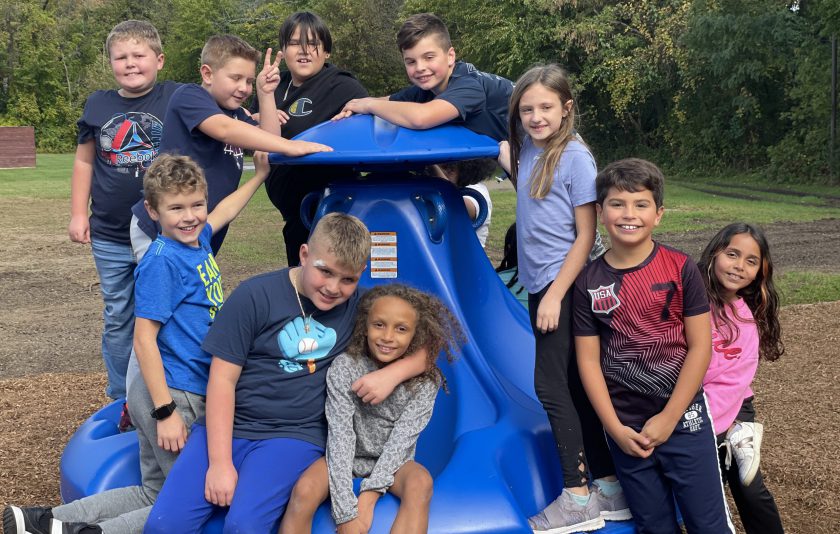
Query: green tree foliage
[[734, 70], [804, 149], [696, 83]]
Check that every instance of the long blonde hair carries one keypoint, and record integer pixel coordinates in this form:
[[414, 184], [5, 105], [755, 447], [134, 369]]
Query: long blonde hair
[[554, 78]]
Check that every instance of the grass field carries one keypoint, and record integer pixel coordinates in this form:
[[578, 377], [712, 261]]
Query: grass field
[[692, 203]]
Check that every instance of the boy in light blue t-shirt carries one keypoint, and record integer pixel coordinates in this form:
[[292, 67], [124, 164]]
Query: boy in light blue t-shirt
[[178, 292]]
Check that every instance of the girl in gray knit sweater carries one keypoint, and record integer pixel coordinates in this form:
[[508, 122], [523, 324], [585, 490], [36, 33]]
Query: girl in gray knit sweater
[[377, 442]]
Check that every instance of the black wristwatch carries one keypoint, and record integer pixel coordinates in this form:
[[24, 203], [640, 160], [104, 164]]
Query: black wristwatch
[[162, 412]]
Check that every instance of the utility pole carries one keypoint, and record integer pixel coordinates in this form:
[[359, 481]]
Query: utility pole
[[832, 157]]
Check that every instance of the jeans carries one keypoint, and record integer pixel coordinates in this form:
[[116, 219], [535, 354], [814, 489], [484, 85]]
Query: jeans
[[115, 264]]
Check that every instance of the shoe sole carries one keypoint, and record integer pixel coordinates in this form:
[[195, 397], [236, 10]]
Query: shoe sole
[[617, 515], [758, 434], [13, 521], [586, 526]]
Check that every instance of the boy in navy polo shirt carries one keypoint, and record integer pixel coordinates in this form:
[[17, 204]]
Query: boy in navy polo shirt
[[119, 137], [272, 344], [207, 123], [179, 293], [643, 341], [444, 90]]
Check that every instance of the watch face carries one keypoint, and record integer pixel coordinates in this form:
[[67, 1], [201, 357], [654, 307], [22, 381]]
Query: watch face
[[163, 411]]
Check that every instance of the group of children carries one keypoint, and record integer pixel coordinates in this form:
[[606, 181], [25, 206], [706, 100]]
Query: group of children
[[639, 346]]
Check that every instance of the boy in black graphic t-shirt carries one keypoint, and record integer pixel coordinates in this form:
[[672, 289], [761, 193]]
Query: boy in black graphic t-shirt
[[119, 136], [643, 341]]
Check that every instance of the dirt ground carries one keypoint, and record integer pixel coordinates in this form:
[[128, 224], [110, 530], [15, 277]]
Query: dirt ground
[[52, 378]]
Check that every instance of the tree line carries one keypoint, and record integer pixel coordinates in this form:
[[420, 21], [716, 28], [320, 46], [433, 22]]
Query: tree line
[[697, 84]]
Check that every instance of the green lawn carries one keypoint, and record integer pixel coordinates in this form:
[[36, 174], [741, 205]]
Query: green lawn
[[692, 203]]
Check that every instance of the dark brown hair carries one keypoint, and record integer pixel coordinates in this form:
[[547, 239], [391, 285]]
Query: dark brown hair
[[419, 26], [437, 329], [632, 175], [760, 296]]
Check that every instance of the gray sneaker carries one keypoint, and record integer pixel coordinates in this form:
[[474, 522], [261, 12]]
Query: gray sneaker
[[564, 516], [614, 507]]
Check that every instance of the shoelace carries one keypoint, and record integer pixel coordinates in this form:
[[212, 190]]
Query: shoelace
[[743, 444]]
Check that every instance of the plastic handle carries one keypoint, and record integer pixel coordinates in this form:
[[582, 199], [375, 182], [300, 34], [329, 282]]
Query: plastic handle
[[432, 210], [306, 207], [481, 214]]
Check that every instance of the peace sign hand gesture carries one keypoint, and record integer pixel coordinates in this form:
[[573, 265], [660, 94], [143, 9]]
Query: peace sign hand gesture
[[269, 77]]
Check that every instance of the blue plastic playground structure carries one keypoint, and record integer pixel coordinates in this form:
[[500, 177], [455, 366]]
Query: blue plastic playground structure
[[488, 445]]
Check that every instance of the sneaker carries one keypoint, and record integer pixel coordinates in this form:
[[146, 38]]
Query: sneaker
[[34, 520], [125, 424], [614, 507], [564, 515], [743, 441]]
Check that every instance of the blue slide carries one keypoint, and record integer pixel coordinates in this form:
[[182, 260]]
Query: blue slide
[[488, 446]]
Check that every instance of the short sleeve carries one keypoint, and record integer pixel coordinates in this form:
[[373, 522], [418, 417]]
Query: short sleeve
[[86, 131], [158, 289], [695, 301], [193, 105], [409, 94], [466, 94], [581, 181], [583, 323], [235, 327]]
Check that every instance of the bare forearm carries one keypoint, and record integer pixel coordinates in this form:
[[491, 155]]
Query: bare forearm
[[268, 114], [81, 179], [220, 406], [149, 359], [574, 262], [592, 377]]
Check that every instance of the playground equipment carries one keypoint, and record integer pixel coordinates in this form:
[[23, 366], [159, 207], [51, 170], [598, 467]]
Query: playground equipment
[[488, 446]]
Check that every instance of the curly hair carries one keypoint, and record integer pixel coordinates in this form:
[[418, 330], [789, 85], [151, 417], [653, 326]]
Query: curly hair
[[760, 296], [171, 174], [437, 329]]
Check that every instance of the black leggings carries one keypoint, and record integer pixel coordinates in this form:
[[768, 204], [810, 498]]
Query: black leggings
[[557, 382], [755, 503]]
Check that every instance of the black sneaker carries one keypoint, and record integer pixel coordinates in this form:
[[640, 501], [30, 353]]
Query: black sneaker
[[32, 520]]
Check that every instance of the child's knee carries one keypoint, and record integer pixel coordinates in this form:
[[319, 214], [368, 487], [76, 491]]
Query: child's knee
[[310, 491], [419, 486]]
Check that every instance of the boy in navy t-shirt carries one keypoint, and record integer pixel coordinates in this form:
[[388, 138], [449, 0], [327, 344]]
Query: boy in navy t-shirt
[[643, 341], [119, 137], [443, 89], [179, 292], [272, 344], [207, 123]]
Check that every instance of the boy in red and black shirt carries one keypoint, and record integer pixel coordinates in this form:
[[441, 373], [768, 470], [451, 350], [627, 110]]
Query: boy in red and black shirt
[[641, 326]]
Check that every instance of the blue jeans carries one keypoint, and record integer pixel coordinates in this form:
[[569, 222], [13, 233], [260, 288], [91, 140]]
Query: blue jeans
[[115, 264]]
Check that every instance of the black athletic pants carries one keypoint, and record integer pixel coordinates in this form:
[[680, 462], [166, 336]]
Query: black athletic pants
[[573, 421]]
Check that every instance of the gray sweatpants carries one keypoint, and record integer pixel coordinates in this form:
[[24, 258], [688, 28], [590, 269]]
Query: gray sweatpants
[[124, 510]]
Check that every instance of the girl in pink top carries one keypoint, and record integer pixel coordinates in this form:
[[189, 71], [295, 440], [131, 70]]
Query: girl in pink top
[[745, 327]]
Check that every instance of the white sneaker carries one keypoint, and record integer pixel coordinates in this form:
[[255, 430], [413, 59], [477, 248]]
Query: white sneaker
[[743, 441]]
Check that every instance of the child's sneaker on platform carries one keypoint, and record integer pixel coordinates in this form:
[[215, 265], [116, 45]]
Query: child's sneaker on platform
[[564, 515], [125, 424], [613, 507], [743, 441], [34, 520]]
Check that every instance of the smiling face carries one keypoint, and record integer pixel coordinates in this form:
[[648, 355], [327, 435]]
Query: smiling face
[[629, 217], [428, 65], [737, 265], [541, 113], [391, 324], [232, 83], [304, 62], [323, 279], [181, 216], [135, 66]]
